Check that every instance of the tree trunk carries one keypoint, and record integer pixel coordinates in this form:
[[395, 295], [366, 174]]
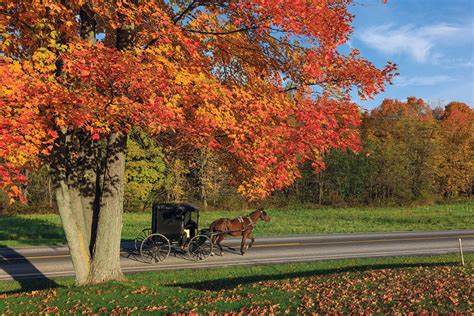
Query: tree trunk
[[25, 188], [203, 181], [106, 248], [320, 188], [73, 226], [78, 247], [106, 252], [89, 149], [89, 188], [68, 185], [50, 194], [85, 183], [91, 214]]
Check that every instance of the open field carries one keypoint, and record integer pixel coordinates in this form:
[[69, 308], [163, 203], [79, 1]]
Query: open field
[[24, 230], [410, 284]]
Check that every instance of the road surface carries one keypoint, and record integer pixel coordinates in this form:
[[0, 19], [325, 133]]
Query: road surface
[[54, 261]]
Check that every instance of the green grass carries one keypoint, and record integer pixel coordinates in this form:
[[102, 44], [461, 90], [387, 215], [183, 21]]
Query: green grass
[[25, 230], [409, 284]]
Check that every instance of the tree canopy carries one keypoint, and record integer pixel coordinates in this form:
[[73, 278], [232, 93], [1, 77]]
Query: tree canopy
[[205, 73]]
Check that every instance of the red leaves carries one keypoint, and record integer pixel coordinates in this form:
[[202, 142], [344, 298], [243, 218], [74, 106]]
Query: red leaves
[[209, 77]]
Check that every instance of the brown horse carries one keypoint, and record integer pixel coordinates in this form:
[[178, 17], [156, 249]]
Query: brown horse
[[237, 227]]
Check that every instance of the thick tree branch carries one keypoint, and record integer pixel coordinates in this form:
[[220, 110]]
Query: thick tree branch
[[245, 29], [216, 33], [339, 80], [191, 7]]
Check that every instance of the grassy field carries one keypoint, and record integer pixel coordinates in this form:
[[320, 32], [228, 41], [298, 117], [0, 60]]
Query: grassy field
[[412, 284], [23, 230]]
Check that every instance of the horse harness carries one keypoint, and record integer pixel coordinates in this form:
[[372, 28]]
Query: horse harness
[[242, 220]]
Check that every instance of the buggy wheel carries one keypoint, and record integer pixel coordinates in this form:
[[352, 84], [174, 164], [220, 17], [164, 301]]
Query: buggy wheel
[[141, 236], [200, 247], [155, 248]]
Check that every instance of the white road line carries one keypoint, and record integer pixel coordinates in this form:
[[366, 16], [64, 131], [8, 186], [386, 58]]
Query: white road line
[[296, 244]]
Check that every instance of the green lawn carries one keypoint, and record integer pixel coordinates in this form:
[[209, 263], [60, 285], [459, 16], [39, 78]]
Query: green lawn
[[395, 285], [46, 229]]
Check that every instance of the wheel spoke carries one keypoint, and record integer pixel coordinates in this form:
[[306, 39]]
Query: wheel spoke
[[141, 236], [155, 248], [200, 247]]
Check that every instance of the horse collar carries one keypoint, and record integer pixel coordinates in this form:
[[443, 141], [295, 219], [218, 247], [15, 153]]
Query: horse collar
[[250, 220]]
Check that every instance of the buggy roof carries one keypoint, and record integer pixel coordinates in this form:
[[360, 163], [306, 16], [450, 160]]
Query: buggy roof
[[178, 208]]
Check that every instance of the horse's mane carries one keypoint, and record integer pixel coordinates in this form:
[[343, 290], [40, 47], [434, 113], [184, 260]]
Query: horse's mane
[[260, 209]]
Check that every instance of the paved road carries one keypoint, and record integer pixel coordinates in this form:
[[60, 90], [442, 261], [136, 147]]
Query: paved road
[[54, 261]]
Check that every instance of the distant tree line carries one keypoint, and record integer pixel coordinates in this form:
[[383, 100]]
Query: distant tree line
[[410, 153]]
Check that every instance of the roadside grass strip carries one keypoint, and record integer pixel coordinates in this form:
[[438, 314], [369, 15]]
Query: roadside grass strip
[[396, 285], [33, 230]]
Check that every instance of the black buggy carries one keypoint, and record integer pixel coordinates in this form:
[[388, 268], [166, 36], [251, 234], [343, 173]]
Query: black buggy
[[174, 227]]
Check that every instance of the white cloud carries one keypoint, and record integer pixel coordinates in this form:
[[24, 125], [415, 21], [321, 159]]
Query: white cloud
[[417, 42], [451, 63], [402, 81]]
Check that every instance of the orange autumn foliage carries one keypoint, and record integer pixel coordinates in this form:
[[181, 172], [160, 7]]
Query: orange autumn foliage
[[205, 73], [455, 167]]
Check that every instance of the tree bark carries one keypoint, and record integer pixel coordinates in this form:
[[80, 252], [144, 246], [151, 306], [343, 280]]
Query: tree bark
[[106, 253], [73, 229], [50, 192], [89, 150], [78, 247], [85, 184], [89, 188], [106, 249], [67, 188], [203, 181], [320, 187], [88, 24], [105, 220]]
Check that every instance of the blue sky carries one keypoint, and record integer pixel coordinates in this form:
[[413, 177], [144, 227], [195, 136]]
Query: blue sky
[[432, 41]]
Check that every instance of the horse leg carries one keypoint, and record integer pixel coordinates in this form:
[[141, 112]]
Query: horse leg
[[252, 240], [218, 243], [213, 242], [242, 245]]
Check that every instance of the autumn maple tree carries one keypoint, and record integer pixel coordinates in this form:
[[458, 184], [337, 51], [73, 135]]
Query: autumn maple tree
[[455, 166], [261, 82]]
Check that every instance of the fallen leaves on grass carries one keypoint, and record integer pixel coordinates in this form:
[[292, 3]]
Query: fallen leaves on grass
[[441, 289], [144, 291]]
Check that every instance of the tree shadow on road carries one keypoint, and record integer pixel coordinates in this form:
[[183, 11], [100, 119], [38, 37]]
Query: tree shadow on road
[[29, 231], [230, 283], [22, 270]]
